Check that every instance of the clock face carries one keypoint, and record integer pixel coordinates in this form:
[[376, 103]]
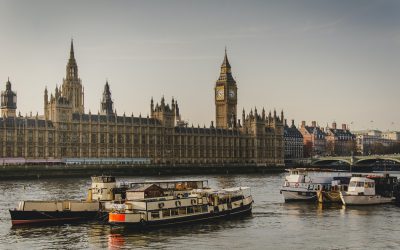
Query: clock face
[[231, 93], [219, 93]]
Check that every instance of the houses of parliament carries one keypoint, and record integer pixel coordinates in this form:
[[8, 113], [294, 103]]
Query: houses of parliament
[[66, 131]]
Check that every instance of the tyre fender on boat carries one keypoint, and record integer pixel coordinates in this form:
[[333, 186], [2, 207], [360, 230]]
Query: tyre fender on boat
[[296, 185], [178, 203], [143, 222], [193, 202]]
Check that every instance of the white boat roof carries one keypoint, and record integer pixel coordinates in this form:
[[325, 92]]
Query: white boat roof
[[170, 181], [235, 189], [222, 191], [314, 170], [361, 179]]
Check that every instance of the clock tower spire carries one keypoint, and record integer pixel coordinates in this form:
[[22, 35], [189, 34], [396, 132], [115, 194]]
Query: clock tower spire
[[225, 97]]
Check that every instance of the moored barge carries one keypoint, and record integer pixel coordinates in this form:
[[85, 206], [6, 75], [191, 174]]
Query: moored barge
[[102, 193]]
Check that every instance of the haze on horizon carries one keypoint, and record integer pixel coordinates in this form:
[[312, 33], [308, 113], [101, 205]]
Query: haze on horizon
[[315, 59]]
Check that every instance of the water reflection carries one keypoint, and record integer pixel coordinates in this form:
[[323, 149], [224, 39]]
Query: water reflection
[[121, 236], [115, 241]]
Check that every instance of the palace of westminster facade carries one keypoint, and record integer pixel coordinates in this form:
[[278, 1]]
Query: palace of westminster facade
[[66, 131]]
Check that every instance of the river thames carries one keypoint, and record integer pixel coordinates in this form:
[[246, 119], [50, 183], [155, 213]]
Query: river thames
[[273, 224]]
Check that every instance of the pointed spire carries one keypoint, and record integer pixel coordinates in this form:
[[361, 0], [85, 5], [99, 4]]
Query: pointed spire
[[72, 67], [226, 63], [71, 52], [8, 84], [226, 74]]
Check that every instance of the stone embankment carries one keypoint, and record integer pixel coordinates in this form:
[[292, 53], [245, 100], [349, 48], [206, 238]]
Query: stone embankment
[[60, 171]]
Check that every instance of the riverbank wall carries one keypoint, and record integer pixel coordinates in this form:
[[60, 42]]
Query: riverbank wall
[[8, 172]]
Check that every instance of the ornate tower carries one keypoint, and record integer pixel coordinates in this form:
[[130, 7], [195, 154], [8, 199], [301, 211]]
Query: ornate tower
[[8, 101], [107, 104], [72, 86], [225, 97]]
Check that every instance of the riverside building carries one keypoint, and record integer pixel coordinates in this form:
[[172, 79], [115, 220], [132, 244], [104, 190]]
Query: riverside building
[[65, 131]]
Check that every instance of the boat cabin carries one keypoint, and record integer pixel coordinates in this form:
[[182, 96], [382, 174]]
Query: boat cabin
[[144, 192], [362, 185]]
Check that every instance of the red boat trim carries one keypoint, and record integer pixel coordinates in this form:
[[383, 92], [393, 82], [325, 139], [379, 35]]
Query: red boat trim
[[22, 222]]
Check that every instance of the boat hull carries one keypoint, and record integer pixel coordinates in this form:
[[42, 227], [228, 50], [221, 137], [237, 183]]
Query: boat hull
[[241, 211], [329, 197], [53, 217], [294, 195], [365, 199]]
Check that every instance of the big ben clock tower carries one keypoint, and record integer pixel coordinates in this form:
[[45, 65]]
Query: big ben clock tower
[[225, 97]]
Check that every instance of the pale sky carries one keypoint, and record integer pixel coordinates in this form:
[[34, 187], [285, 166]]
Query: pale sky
[[317, 60]]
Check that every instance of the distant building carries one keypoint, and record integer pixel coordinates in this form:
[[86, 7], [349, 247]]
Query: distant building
[[313, 139], [391, 135], [293, 141], [375, 142], [339, 142]]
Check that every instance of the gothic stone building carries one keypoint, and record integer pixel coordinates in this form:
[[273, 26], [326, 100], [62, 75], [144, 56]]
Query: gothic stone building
[[66, 131]]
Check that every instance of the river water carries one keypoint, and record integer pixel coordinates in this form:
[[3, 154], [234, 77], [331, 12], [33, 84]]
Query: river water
[[273, 224]]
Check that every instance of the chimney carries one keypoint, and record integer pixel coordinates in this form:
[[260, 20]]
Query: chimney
[[313, 124], [344, 127], [292, 123], [303, 123], [334, 125], [285, 122]]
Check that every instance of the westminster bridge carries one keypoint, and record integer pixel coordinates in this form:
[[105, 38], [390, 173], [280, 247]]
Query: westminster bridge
[[356, 160]]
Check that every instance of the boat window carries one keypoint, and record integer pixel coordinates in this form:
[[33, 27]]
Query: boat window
[[174, 211], [360, 184], [166, 212], [197, 209], [190, 210], [182, 210], [155, 215], [204, 208], [353, 184]]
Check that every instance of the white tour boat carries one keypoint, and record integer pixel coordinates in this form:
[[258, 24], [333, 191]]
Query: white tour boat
[[302, 184]]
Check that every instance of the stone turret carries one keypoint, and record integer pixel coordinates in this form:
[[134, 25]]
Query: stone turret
[[8, 101], [107, 104]]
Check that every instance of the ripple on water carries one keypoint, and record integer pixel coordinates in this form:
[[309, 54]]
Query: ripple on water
[[273, 224]]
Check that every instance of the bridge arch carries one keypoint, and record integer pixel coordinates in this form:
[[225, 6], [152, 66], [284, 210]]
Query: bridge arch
[[325, 161], [396, 160]]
